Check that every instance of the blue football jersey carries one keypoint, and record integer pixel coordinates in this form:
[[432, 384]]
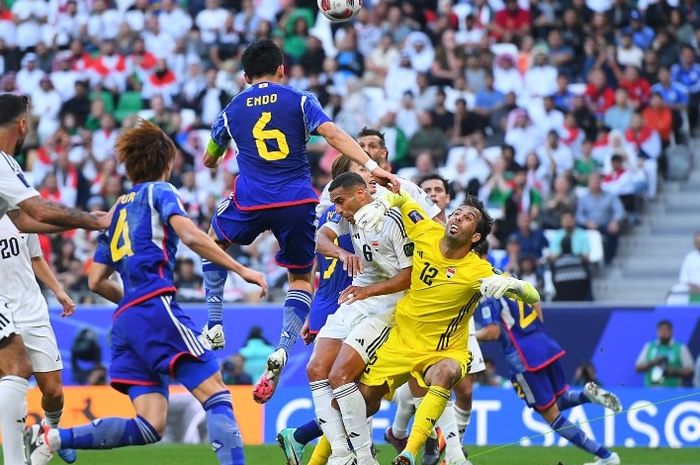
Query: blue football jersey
[[487, 313], [269, 125], [140, 243], [524, 341], [333, 279]]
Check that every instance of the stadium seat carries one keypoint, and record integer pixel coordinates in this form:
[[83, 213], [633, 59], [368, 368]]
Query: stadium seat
[[595, 240]]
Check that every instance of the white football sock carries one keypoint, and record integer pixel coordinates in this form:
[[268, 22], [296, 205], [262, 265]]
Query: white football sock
[[52, 419], [448, 425], [329, 419], [13, 413], [405, 409], [463, 417], [353, 410]]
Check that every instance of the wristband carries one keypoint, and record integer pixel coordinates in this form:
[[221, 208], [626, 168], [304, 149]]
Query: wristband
[[371, 165]]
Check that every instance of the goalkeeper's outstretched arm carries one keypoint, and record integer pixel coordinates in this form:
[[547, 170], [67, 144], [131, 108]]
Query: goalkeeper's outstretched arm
[[498, 285], [524, 291]]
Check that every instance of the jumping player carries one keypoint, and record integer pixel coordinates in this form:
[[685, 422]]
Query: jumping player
[[430, 335], [151, 336], [269, 124], [534, 361], [30, 213]]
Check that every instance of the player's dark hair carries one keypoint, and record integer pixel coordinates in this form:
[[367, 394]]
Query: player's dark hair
[[12, 107], [365, 131], [347, 181], [261, 58], [665, 323], [340, 165], [485, 223], [146, 152], [436, 176]]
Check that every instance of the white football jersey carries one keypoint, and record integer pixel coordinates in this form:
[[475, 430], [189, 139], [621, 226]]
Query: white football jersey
[[14, 188], [383, 255], [411, 188], [18, 285]]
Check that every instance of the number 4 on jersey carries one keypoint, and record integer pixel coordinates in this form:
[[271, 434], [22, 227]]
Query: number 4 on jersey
[[121, 235]]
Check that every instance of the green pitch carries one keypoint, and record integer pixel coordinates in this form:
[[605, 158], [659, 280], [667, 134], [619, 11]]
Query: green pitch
[[272, 455]]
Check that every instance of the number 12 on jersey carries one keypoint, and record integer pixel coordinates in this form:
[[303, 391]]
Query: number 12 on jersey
[[120, 245]]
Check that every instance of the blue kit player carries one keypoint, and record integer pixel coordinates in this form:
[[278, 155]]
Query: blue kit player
[[152, 338], [268, 125], [538, 378]]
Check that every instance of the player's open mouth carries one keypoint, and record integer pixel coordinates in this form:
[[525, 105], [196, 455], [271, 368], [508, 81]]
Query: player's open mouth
[[454, 229]]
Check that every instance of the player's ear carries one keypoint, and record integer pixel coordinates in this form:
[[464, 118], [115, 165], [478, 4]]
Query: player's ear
[[247, 78], [476, 237], [280, 72]]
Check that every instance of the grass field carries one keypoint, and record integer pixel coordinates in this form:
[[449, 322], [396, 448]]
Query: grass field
[[272, 455]]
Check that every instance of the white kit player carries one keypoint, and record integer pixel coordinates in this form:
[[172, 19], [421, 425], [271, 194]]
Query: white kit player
[[21, 259], [381, 267], [30, 213]]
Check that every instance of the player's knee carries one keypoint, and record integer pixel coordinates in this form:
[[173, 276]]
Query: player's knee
[[157, 421], [340, 377], [445, 375], [316, 370]]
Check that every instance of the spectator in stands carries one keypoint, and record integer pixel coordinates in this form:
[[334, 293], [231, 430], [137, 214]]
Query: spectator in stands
[[659, 117], [627, 52], [603, 212], [570, 273], [232, 371], [511, 23], [690, 270], [585, 373], [577, 236], [563, 96], [599, 95], [619, 115], [562, 200], [488, 99], [687, 73], [466, 123], [555, 156], [255, 352], [428, 138], [86, 355], [664, 361], [532, 240], [187, 281], [585, 164]]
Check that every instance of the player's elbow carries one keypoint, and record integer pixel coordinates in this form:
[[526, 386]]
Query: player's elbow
[[94, 282]]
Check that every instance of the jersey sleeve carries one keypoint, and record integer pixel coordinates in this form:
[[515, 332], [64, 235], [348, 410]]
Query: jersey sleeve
[[337, 224], [415, 218], [167, 201], [220, 132], [313, 113], [420, 197], [403, 247], [34, 246], [102, 253], [14, 187], [482, 269]]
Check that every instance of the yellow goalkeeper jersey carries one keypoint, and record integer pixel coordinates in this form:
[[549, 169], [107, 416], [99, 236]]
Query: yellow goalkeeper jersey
[[434, 314]]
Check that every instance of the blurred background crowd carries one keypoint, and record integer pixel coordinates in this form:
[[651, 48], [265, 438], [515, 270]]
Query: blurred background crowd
[[565, 117]]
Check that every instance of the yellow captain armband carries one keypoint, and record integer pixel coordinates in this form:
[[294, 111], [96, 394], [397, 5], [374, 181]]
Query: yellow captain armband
[[214, 150]]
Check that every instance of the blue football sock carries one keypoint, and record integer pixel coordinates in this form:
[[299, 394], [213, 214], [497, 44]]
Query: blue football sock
[[107, 433], [214, 282], [308, 432], [571, 399], [224, 435], [296, 308], [577, 437]]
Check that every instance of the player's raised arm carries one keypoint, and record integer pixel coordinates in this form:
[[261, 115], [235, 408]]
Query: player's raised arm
[[218, 143], [205, 247], [415, 219], [343, 143], [498, 285]]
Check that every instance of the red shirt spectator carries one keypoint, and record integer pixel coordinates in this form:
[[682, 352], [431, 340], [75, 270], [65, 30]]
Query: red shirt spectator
[[638, 89], [511, 21], [599, 95], [659, 117]]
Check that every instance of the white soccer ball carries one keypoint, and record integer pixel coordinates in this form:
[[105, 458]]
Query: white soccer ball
[[339, 11]]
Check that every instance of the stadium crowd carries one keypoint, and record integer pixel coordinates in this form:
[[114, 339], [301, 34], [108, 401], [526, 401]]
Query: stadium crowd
[[563, 116]]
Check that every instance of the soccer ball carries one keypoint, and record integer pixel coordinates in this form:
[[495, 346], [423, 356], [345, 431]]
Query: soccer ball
[[339, 11]]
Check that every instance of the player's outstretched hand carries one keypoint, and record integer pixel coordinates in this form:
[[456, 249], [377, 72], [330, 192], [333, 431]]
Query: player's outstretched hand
[[495, 286], [306, 335], [66, 302], [255, 277], [352, 294], [351, 263], [387, 179]]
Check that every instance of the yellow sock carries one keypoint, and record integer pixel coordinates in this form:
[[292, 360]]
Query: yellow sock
[[429, 410], [321, 452]]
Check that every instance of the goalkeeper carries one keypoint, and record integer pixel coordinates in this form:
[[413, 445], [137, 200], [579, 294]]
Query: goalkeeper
[[431, 331]]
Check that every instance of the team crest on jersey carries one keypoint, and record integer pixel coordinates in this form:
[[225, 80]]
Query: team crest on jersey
[[415, 216], [408, 249], [451, 271], [375, 245]]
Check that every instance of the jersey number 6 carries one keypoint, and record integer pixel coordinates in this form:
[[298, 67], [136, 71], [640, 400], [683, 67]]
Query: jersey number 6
[[262, 135]]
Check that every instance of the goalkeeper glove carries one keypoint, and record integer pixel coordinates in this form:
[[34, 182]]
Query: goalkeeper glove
[[371, 217], [496, 286]]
